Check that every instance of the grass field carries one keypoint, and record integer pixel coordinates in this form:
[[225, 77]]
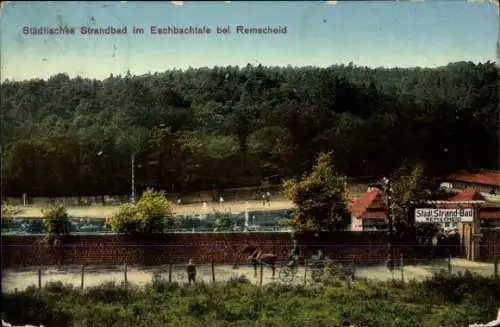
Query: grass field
[[440, 301]]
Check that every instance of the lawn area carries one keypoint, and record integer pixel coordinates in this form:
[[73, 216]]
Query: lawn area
[[443, 301]]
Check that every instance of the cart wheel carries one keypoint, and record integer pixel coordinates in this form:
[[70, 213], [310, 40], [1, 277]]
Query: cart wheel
[[286, 274]]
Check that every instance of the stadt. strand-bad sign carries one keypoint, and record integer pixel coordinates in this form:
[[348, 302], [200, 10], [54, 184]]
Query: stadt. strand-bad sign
[[429, 215]]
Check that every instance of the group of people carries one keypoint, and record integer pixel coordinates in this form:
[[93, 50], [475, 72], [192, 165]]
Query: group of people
[[266, 199], [293, 260]]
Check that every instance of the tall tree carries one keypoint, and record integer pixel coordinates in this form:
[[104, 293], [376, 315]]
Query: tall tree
[[320, 197], [411, 187], [75, 136]]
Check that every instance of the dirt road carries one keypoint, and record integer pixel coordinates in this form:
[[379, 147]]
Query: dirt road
[[22, 278], [104, 211]]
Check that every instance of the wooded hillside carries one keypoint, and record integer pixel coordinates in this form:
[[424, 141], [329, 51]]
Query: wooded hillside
[[230, 126]]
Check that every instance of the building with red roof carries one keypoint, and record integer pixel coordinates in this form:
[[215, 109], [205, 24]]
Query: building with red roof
[[486, 182], [489, 213], [369, 211]]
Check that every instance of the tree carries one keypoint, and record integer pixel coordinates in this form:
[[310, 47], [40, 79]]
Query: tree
[[320, 197], [231, 126], [411, 186], [8, 213], [55, 222], [151, 214], [223, 221]]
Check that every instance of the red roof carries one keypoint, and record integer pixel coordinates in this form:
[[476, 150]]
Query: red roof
[[370, 205], [487, 211], [489, 178], [469, 194]]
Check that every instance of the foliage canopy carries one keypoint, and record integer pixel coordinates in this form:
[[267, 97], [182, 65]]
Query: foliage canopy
[[55, 220], [223, 221], [235, 126], [151, 214], [320, 197], [411, 186]]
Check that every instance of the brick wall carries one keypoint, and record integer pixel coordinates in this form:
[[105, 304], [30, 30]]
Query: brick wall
[[18, 251]]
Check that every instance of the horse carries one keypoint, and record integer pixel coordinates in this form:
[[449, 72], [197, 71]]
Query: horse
[[256, 256]]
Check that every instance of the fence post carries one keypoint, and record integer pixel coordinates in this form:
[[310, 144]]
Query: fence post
[[495, 265], [449, 264], [83, 274], [39, 279], [125, 275], [402, 267], [305, 270], [261, 273], [213, 272], [353, 269], [170, 273]]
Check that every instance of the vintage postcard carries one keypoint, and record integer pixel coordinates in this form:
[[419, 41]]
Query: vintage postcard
[[250, 163]]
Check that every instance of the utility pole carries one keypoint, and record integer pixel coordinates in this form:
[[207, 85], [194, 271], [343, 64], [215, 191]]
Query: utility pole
[[132, 195], [2, 173], [388, 189]]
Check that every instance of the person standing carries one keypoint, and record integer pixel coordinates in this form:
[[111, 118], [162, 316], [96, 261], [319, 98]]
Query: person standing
[[191, 272], [294, 255]]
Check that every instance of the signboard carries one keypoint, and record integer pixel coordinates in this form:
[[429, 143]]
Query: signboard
[[430, 215]]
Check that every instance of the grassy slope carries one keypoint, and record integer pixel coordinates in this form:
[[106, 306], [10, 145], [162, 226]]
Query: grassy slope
[[440, 302]]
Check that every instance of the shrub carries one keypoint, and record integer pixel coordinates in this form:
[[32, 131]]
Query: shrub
[[152, 213], [223, 221], [106, 293], [238, 303], [58, 287], [239, 280], [7, 213], [55, 221]]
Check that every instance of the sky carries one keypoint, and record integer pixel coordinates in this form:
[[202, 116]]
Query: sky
[[323, 33]]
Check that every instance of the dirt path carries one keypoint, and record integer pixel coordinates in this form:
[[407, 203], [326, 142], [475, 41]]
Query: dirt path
[[103, 211], [22, 278]]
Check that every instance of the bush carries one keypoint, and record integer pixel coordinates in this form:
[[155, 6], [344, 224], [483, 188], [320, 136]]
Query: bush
[[55, 221], [26, 308], [7, 213], [223, 221], [238, 303], [239, 280], [152, 213]]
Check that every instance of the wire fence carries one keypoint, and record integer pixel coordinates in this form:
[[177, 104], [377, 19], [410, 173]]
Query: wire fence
[[228, 195], [265, 220], [308, 272]]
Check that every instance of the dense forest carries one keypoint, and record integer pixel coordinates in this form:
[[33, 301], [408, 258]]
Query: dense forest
[[235, 126]]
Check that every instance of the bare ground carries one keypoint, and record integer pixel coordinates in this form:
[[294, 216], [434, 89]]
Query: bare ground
[[103, 211], [20, 279]]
